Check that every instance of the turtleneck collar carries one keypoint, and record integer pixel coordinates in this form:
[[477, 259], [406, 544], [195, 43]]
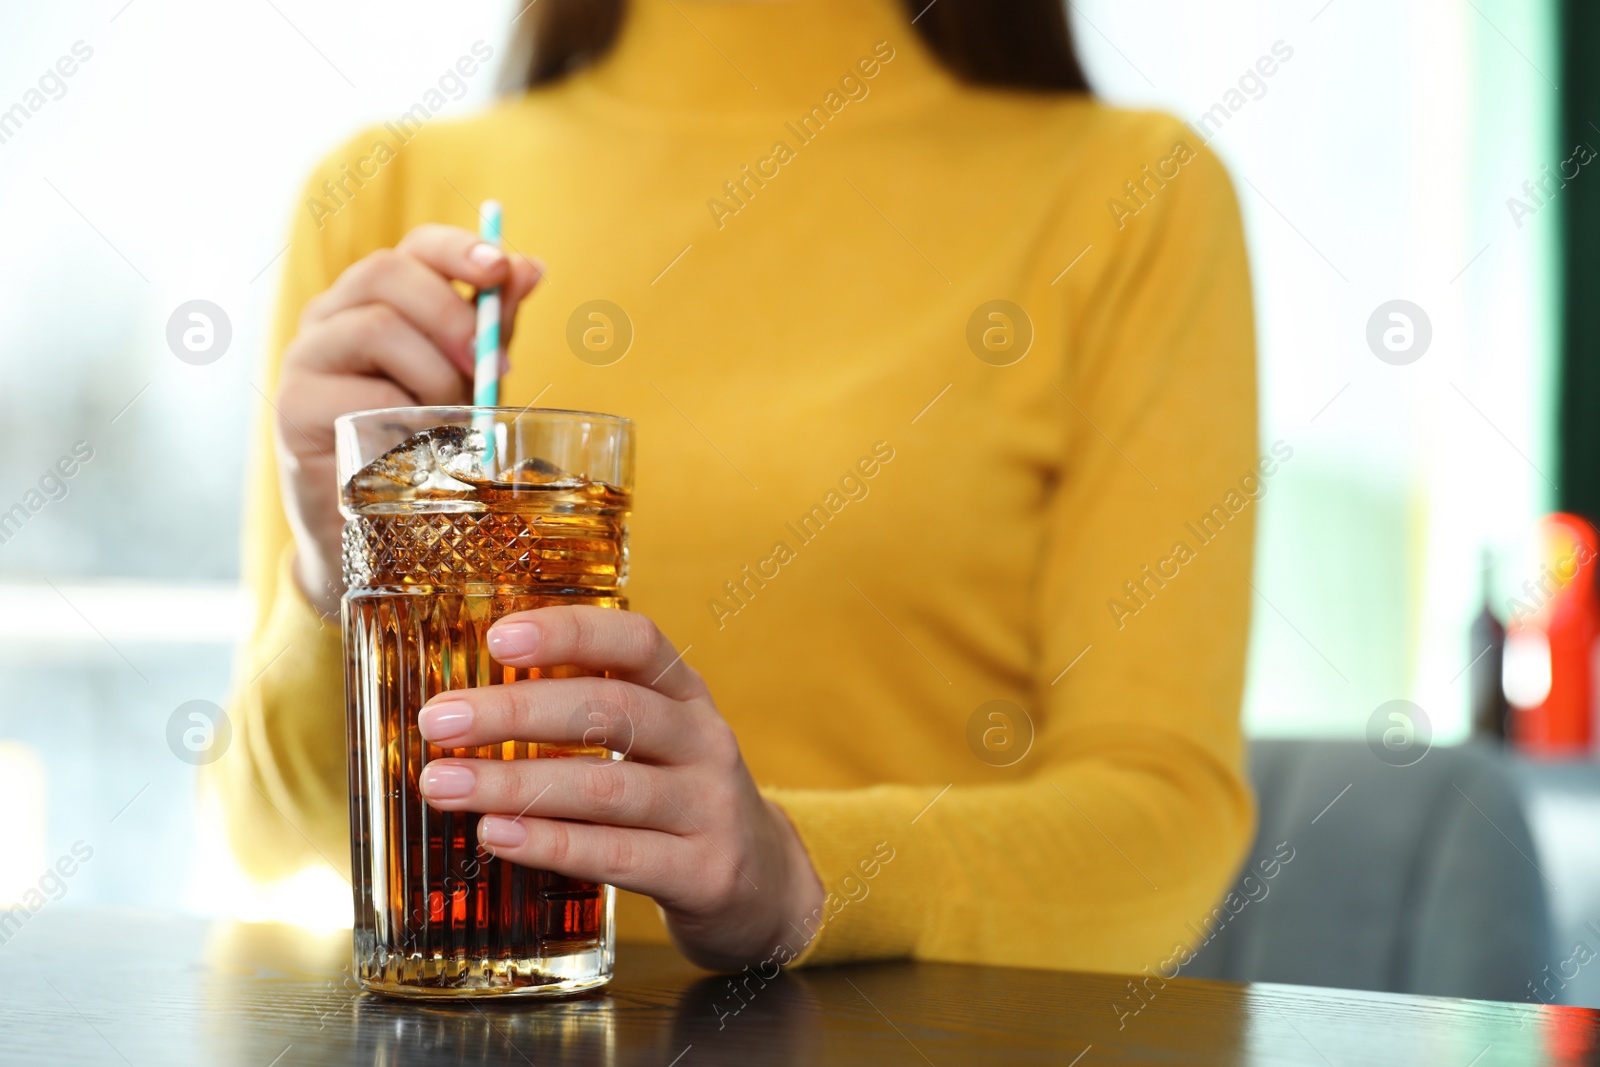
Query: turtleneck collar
[[756, 57]]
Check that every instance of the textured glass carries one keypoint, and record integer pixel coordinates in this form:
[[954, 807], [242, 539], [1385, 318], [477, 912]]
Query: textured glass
[[428, 571]]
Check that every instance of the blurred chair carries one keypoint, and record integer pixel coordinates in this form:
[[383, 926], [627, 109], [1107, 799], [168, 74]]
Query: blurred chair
[[1419, 879]]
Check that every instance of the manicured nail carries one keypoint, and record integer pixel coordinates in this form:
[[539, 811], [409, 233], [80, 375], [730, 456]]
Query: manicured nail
[[513, 640], [485, 254], [449, 781], [445, 720], [505, 363], [498, 831]]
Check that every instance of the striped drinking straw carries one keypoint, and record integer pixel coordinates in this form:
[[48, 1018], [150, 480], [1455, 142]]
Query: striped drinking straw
[[486, 366]]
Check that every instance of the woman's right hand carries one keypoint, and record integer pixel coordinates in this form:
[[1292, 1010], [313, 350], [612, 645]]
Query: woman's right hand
[[390, 332]]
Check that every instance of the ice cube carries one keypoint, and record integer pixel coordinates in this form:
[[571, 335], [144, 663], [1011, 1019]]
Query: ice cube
[[438, 463], [538, 472], [458, 451]]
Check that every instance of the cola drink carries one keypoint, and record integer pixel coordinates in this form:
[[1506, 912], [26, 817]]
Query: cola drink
[[456, 517]]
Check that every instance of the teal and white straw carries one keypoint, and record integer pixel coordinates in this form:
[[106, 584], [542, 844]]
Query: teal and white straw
[[486, 355], [486, 377]]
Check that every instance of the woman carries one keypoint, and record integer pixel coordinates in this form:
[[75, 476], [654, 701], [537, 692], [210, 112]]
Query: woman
[[991, 338]]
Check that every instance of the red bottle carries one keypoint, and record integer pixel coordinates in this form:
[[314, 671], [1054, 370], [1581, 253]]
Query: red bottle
[[1555, 621]]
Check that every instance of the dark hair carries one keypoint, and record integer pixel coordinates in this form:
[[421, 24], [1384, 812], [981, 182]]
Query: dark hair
[[1019, 44]]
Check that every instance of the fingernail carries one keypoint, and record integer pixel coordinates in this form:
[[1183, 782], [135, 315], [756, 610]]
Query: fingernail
[[449, 781], [500, 832], [513, 639], [539, 269], [446, 720], [505, 363], [485, 254]]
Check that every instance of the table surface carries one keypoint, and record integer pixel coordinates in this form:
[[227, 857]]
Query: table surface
[[101, 986]]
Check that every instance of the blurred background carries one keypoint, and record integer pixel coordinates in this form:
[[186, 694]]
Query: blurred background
[[1415, 183]]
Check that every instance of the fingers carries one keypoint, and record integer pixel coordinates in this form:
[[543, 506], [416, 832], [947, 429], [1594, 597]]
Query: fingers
[[612, 792], [525, 276], [625, 644], [598, 712], [404, 283], [378, 341], [460, 254], [414, 278], [456, 253], [308, 403], [641, 861]]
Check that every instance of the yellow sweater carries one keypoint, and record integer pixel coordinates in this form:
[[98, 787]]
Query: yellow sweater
[[871, 502]]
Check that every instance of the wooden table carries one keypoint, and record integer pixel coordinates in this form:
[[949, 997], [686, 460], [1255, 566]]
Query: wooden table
[[122, 987]]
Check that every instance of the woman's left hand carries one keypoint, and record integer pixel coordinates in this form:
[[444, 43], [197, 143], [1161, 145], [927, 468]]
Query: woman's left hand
[[681, 821]]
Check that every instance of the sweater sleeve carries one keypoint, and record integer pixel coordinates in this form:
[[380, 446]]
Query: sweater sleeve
[[281, 785], [1136, 812]]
